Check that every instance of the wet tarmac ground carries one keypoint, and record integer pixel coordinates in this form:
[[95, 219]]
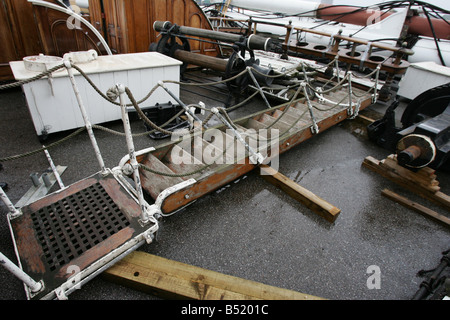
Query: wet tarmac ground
[[251, 229]]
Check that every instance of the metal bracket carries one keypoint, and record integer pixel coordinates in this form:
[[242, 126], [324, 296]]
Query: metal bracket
[[60, 294], [314, 127], [252, 76], [350, 93], [256, 157], [184, 106], [41, 186], [155, 209]]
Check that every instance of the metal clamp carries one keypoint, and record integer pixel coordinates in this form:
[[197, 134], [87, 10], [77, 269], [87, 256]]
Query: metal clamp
[[350, 93], [252, 76], [155, 209], [314, 127], [184, 106], [256, 157]]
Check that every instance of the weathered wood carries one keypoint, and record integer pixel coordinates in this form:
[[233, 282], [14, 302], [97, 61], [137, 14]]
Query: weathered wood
[[155, 183], [416, 207], [172, 279], [437, 197], [129, 23], [429, 183], [18, 34], [306, 197], [228, 173], [367, 120]]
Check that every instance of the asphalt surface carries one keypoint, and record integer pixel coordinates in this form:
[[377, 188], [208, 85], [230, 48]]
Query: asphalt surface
[[251, 229]]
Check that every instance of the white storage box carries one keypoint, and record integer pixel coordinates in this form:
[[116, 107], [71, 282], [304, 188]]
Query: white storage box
[[52, 102]]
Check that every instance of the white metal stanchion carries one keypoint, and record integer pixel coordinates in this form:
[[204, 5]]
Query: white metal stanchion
[[8, 202], [15, 270], [54, 170], [131, 150], [8, 264], [85, 116]]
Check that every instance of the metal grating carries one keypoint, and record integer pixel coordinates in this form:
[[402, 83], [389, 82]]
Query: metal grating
[[68, 228]]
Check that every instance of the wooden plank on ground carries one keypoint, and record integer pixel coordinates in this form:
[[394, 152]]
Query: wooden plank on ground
[[437, 197], [171, 279], [306, 197], [416, 207]]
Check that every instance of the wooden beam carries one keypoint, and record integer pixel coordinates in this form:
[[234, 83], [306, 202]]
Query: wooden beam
[[304, 196], [416, 207], [395, 176], [171, 279]]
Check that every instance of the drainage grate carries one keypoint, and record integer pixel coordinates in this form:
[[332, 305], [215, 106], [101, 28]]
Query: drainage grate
[[73, 225]]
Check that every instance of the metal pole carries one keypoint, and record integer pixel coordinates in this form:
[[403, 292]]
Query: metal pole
[[258, 87], [132, 153], [350, 102], [185, 107], [256, 156], [161, 26], [8, 202], [15, 270], [314, 128], [55, 172], [85, 116], [253, 42]]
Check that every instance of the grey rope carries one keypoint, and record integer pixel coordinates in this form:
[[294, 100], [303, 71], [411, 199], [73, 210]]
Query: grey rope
[[54, 144], [37, 77]]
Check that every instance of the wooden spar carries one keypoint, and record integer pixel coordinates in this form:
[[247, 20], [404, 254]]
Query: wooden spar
[[306, 197], [411, 181], [416, 207], [176, 280], [201, 60]]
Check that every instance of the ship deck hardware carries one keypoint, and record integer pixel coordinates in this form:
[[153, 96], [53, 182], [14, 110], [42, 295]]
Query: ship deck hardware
[[67, 237]]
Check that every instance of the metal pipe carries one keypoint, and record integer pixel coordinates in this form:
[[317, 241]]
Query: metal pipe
[[350, 102], [161, 26], [253, 42], [314, 127], [8, 202], [249, 69], [408, 155], [15, 270], [52, 166], [132, 153], [85, 116], [256, 157], [184, 106]]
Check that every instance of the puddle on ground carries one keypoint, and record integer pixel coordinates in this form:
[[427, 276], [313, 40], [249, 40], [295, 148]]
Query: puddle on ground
[[358, 126]]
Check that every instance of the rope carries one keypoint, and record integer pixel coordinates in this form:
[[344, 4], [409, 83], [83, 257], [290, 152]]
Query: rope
[[37, 77], [54, 144], [112, 95]]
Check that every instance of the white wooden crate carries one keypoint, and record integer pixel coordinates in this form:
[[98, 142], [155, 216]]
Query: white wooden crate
[[52, 102]]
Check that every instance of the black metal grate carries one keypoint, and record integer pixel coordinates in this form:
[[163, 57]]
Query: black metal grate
[[73, 225]]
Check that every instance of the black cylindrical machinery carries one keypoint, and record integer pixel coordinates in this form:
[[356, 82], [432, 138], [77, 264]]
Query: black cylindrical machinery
[[252, 42], [174, 43], [424, 138]]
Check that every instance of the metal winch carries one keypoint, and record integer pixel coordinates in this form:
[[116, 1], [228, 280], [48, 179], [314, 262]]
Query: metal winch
[[174, 42], [424, 138]]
